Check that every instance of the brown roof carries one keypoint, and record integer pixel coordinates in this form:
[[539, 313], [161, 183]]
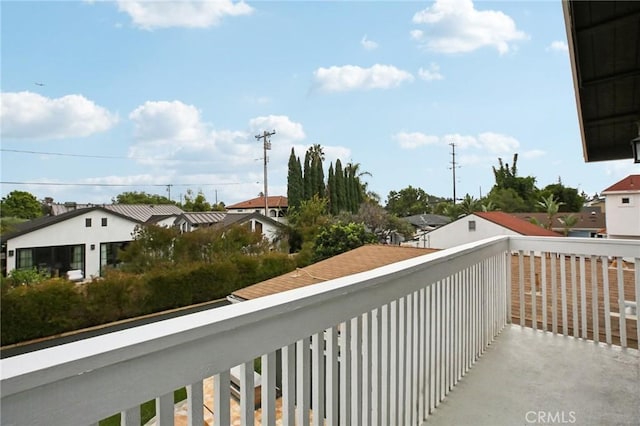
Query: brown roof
[[630, 183], [357, 260], [277, 201], [590, 218], [516, 224]]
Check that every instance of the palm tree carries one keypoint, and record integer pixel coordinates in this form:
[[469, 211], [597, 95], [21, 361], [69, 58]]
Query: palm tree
[[568, 222], [551, 206]]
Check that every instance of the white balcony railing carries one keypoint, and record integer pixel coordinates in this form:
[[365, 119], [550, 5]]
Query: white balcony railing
[[382, 347]]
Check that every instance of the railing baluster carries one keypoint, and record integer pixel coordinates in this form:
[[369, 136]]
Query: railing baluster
[[583, 297], [521, 286], [621, 307], [195, 401], [431, 328], [408, 376], [332, 407], [356, 370], [376, 367], [574, 297], [534, 296], [247, 393], [289, 384], [554, 294], [607, 308], [563, 294], [543, 275], [402, 347], [221, 399], [414, 357], [637, 299], [317, 378], [385, 366], [131, 417], [303, 382], [508, 279], [164, 410], [268, 396], [595, 301], [422, 353], [366, 368], [393, 368], [345, 373]]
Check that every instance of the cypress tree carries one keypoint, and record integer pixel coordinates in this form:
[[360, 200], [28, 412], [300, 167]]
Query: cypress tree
[[331, 189], [308, 177], [294, 181], [341, 190]]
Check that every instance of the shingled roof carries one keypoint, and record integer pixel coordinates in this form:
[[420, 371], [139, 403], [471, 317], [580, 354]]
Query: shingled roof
[[352, 262]]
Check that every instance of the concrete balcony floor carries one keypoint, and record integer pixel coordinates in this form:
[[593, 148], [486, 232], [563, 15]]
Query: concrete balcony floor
[[530, 377]]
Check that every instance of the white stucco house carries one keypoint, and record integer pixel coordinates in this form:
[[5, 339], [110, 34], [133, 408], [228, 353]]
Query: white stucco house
[[622, 206], [256, 222], [478, 226], [83, 240]]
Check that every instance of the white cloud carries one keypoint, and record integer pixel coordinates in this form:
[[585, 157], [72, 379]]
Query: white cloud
[[558, 46], [352, 77], [498, 143], [534, 153], [31, 115], [430, 74], [455, 26], [368, 44], [191, 14], [284, 127], [462, 141], [416, 34], [173, 121], [414, 140]]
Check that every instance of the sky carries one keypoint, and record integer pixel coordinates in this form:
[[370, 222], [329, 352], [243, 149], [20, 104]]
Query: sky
[[103, 97]]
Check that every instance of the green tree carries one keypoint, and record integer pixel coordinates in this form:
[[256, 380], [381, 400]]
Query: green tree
[[197, 203], [331, 191], [20, 204], [571, 200], [380, 222], [408, 201], [550, 206], [568, 222], [339, 238], [142, 197], [341, 189], [525, 192], [295, 184], [317, 158], [469, 205], [307, 177], [151, 248]]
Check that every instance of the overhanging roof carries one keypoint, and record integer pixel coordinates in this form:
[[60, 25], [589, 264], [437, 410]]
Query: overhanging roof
[[605, 59]]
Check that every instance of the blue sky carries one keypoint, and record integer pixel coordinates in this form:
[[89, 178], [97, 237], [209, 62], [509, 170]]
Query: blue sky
[[146, 94]]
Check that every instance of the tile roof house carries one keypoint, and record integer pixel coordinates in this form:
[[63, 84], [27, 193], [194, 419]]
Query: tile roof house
[[622, 206], [276, 204], [480, 225], [361, 259]]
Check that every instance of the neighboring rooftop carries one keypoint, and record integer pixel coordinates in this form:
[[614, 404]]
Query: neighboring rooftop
[[275, 201], [361, 259], [203, 217], [139, 212], [589, 218], [516, 224], [629, 184], [427, 220]]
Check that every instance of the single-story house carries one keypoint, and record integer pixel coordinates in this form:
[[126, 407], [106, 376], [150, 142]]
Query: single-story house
[[84, 240], [190, 221], [257, 222], [591, 221], [423, 224], [480, 225]]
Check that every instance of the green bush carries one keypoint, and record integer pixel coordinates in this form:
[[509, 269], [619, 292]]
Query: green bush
[[117, 296], [52, 307]]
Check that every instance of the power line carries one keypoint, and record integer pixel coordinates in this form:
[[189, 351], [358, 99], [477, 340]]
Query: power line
[[108, 157], [119, 184]]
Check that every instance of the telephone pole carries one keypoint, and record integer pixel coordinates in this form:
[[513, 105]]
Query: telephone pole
[[266, 145], [453, 167]]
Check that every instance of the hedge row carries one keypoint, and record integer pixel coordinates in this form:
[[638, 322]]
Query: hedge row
[[57, 306]]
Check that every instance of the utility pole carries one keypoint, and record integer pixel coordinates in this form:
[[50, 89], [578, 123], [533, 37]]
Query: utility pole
[[169, 190], [453, 167], [266, 146]]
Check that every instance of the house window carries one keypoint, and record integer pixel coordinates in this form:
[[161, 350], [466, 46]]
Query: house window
[[472, 225], [272, 213], [625, 200], [77, 257], [87, 222], [25, 259], [104, 221]]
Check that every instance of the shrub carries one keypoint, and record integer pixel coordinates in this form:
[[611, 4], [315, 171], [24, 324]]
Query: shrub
[[117, 296]]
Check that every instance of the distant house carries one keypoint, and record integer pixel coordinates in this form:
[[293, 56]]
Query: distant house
[[277, 207], [423, 224], [190, 221], [622, 205], [361, 259], [256, 222], [85, 240], [591, 222], [480, 225]]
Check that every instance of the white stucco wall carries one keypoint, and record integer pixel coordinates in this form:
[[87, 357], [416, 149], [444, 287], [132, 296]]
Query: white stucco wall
[[623, 220], [74, 232], [457, 233]]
